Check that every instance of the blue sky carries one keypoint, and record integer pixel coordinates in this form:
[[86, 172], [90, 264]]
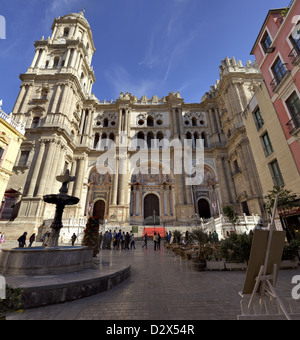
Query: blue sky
[[146, 47]]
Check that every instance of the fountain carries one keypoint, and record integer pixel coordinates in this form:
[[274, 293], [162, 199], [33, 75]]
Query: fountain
[[53, 259], [61, 201]]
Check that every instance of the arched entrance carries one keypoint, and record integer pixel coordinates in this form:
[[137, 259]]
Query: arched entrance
[[151, 205], [99, 210], [204, 209]]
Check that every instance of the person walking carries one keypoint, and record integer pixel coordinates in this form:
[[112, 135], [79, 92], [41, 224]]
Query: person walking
[[158, 241], [104, 245], [100, 240], [31, 240], [155, 239], [123, 241], [119, 236], [22, 240], [127, 240], [73, 239], [145, 241], [132, 243]]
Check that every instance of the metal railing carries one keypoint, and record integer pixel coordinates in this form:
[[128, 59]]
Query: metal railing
[[295, 53], [282, 72], [294, 124]]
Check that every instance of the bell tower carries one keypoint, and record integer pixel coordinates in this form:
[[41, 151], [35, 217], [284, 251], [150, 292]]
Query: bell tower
[[52, 104]]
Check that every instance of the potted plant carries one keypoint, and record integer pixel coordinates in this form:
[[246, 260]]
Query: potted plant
[[198, 236], [214, 260], [236, 251]]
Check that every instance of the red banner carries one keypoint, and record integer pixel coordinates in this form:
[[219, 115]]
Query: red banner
[[150, 231]]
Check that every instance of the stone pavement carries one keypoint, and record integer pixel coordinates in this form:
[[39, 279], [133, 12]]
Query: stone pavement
[[161, 287]]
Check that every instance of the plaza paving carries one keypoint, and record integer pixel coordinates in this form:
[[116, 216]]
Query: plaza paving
[[161, 287]]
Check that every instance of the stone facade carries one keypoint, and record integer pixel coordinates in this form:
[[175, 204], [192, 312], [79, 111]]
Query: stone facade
[[11, 137], [67, 127]]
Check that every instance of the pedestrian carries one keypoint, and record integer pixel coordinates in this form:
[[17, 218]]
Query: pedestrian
[[31, 240], [119, 235], [169, 237], [145, 241], [22, 240], [123, 241], [155, 239], [132, 243], [127, 240], [2, 238], [46, 239], [100, 240], [73, 239], [114, 239], [158, 241], [109, 239], [104, 245]]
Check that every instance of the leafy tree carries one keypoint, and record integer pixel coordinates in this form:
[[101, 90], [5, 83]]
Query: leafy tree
[[91, 235], [231, 215], [286, 201]]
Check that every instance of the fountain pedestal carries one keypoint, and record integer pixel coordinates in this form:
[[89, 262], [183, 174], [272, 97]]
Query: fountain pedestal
[[53, 259]]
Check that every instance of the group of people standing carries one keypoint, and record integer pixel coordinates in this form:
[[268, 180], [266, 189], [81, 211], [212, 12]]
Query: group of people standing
[[117, 240], [156, 240]]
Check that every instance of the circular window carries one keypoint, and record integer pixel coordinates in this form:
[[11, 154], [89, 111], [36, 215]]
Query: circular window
[[113, 123], [141, 122], [98, 123], [187, 122], [202, 122], [159, 122]]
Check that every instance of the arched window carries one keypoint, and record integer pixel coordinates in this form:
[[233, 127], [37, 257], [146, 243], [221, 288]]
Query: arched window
[[96, 140], [103, 140], [56, 62], [160, 136], [66, 31], [35, 122], [189, 135], [150, 121], [105, 122], [150, 136], [194, 121], [112, 137], [204, 137], [196, 137], [141, 135]]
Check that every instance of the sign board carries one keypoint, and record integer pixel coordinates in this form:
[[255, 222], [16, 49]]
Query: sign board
[[258, 255]]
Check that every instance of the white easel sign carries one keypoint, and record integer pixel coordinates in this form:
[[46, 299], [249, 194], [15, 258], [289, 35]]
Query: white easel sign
[[2, 288]]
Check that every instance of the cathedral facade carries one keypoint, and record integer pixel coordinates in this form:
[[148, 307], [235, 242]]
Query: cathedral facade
[[67, 127]]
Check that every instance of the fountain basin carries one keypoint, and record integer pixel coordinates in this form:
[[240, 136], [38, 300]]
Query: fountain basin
[[44, 261]]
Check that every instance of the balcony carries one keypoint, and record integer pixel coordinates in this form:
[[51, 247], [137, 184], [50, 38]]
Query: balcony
[[294, 55], [294, 124], [282, 72]]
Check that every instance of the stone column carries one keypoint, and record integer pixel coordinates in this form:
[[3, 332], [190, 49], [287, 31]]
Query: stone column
[[56, 98], [36, 170], [222, 179], [232, 191], [63, 104], [20, 97], [57, 160], [79, 176], [46, 168], [73, 173]]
